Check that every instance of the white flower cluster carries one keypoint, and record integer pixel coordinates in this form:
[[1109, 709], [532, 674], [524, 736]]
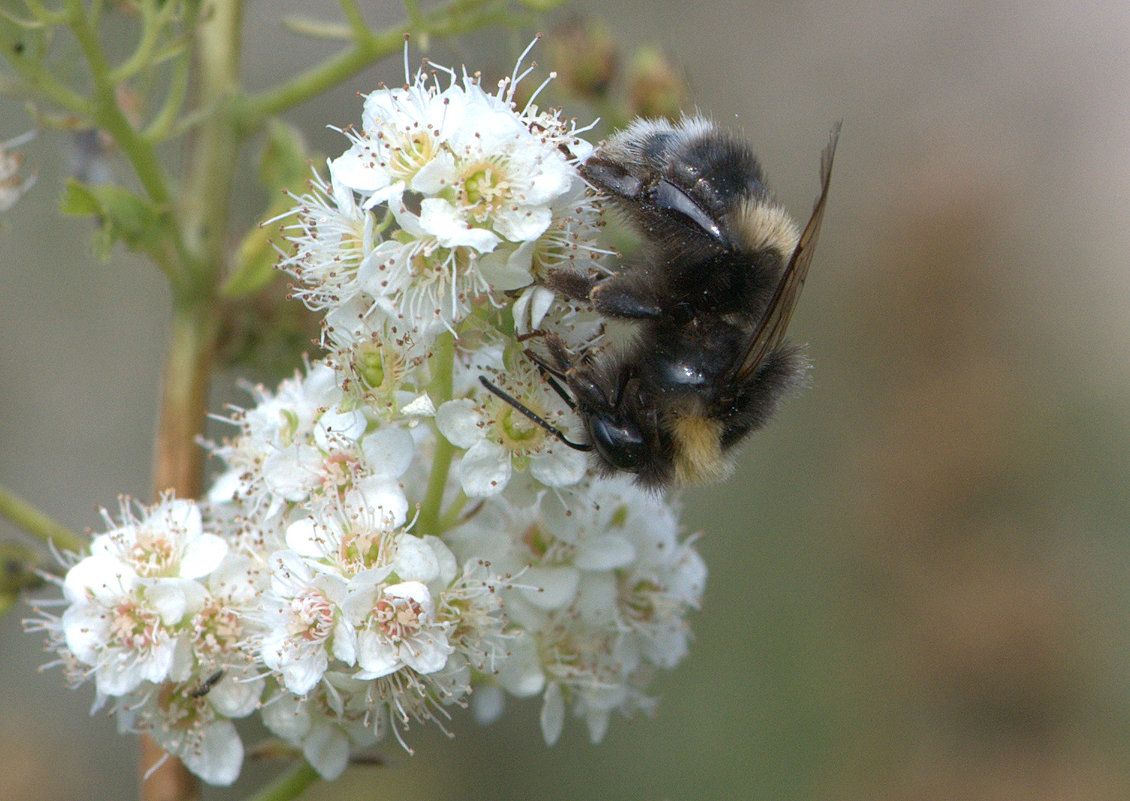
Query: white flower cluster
[[388, 539]]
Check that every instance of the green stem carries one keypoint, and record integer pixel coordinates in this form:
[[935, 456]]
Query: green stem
[[355, 19], [316, 80], [440, 390], [428, 522], [288, 786], [164, 121], [39, 525], [206, 200], [38, 83], [457, 17], [178, 459], [451, 514], [154, 21], [108, 115]]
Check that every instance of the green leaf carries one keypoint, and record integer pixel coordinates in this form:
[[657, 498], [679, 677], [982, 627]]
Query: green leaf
[[254, 263], [284, 162], [123, 216]]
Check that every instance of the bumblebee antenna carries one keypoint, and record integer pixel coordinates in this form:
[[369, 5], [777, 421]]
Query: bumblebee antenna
[[551, 374], [532, 416]]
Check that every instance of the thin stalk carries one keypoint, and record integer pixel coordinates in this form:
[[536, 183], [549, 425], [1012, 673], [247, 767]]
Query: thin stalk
[[457, 17], [451, 514], [178, 459], [39, 525], [178, 466], [206, 200], [288, 786], [108, 115], [441, 390]]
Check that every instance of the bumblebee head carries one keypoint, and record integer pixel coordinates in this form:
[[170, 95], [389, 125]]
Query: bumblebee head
[[618, 442]]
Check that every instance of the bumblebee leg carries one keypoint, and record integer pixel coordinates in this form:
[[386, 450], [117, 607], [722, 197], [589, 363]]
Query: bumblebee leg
[[628, 295], [570, 283], [544, 366], [680, 195], [560, 354], [612, 178], [628, 386]]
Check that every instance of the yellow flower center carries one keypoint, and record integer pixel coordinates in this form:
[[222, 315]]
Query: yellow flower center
[[412, 153], [484, 188]]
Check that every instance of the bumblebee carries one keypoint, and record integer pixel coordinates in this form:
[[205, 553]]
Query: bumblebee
[[721, 270]]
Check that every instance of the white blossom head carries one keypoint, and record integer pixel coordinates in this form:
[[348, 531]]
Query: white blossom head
[[448, 196]]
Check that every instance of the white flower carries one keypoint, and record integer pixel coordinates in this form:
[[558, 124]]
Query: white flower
[[327, 722], [12, 186], [402, 133], [498, 438], [448, 196], [376, 360], [188, 728], [331, 242], [222, 631], [358, 534], [125, 627], [306, 444], [167, 540], [397, 629], [276, 459], [428, 286], [600, 590], [304, 623]]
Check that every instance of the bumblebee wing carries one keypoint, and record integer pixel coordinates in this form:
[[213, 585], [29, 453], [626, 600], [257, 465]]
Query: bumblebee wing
[[770, 329]]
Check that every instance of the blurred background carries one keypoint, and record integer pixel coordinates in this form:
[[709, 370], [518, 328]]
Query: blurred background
[[919, 575]]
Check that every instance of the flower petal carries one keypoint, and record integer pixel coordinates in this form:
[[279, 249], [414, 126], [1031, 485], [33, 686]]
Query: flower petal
[[388, 452], [202, 556], [484, 469], [415, 560], [459, 421], [441, 219], [604, 553], [216, 754], [552, 716], [550, 587], [560, 468], [326, 748]]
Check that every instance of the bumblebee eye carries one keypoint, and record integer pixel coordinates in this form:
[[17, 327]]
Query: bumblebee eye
[[619, 444], [670, 197]]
